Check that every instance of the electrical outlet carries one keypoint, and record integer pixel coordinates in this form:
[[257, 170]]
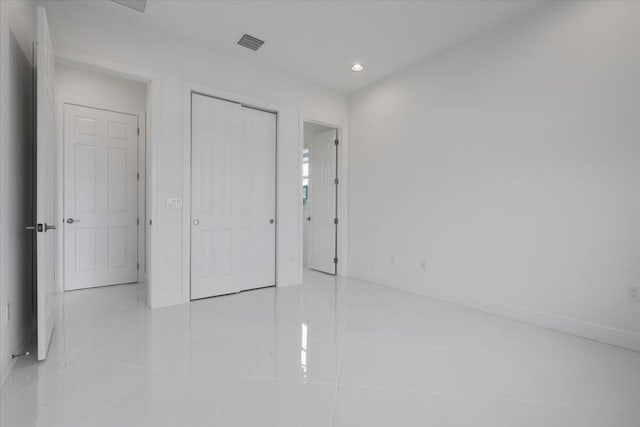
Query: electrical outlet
[[634, 294], [423, 265]]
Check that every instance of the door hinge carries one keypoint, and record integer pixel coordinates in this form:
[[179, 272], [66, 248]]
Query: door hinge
[[137, 266], [137, 221], [336, 181], [138, 131], [138, 176], [336, 142], [335, 260], [335, 221]]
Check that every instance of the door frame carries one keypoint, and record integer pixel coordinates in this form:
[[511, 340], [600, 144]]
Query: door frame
[[335, 153], [141, 186], [189, 89], [342, 251], [152, 128]]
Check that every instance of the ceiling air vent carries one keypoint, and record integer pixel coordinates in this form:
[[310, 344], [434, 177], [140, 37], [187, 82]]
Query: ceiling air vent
[[139, 5], [250, 42]]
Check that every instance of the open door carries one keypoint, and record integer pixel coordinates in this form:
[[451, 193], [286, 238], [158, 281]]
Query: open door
[[45, 191], [323, 220], [100, 197]]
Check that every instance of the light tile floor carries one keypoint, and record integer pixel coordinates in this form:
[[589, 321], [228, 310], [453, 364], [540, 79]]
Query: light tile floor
[[332, 352]]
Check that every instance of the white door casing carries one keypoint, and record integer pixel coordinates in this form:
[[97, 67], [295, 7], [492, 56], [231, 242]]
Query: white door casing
[[322, 202], [100, 197], [45, 189], [233, 179]]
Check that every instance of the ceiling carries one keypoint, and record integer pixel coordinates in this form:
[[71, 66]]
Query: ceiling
[[319, 40]]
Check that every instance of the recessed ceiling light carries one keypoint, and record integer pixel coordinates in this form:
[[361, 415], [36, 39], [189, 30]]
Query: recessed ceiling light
[[357, 67]]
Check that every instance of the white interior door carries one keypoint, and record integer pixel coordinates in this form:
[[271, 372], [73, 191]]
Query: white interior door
[[233, 174], [322, 202], [306, 211], [100, 197], [45, 191]]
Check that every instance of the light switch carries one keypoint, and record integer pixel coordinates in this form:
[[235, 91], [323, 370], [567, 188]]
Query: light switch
[[173, 203]]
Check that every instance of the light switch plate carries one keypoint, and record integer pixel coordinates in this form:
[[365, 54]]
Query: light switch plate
[[173, 203]]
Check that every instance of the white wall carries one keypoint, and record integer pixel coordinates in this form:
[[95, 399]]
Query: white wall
[[78, 30], [17, 33], [90, 88], [100, 90], [511, 165]]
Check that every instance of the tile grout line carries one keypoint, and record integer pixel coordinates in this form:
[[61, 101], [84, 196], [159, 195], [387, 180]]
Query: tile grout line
[[236, 386], [340, 352], [563, 404], [350, 315], [115, 400], [481, 350], [57, 372]]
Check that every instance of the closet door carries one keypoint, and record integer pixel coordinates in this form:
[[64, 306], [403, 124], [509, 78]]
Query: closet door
[[255, 205], [233, 151]]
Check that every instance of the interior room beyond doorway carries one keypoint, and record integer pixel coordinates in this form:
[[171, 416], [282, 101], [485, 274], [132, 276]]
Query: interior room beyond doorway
[[320, 197], [101, 151]]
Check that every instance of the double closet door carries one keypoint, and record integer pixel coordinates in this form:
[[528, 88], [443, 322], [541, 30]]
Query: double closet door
[[233, 195]]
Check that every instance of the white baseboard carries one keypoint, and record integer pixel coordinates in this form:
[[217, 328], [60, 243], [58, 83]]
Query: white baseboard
[[287, 284], [620, 338]]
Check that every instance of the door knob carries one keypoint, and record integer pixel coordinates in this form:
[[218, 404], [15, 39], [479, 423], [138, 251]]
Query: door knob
[[71, 220], [271, 221], [308, 218], [48, 227], [196, 222]]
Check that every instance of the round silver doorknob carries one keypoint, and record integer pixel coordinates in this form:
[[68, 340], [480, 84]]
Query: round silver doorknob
[[70, 220], [271, 221], [196, 222]]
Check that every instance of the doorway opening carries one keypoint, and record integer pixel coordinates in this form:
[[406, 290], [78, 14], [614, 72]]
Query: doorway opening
[[101, 152], [320, 197]]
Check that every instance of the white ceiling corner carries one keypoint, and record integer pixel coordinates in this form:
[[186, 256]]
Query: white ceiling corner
[[319, 40]]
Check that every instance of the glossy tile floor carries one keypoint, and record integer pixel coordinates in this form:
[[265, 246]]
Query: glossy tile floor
[[332, 352]]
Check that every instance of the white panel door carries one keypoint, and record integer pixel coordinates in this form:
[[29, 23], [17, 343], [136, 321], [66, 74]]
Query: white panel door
[[322, 202], [233, 168], [100, 197], [45, 190], [256, 204]]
